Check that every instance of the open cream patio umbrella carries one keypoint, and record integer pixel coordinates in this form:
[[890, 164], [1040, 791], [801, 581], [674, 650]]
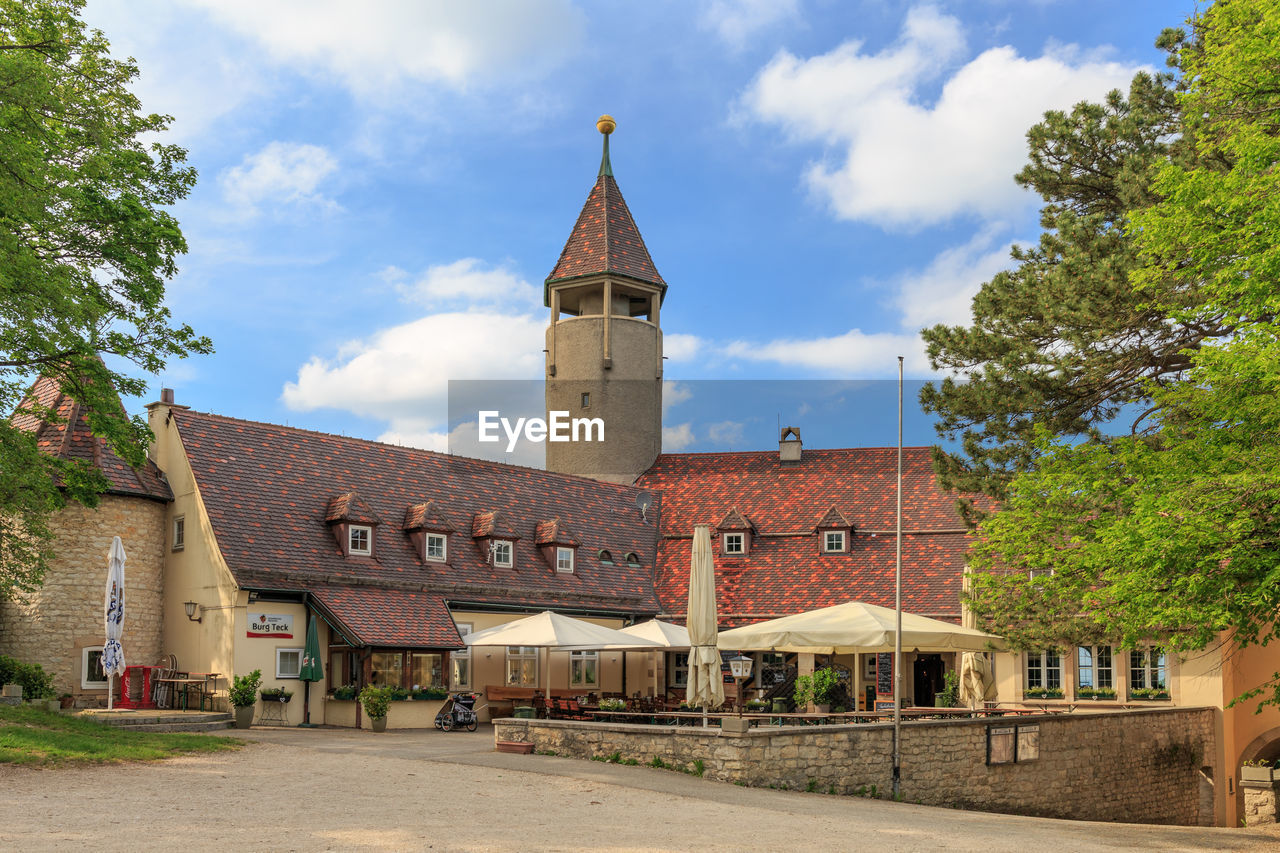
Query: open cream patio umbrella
[[855, 627], [665, 634], [706, 687], [548, 630]]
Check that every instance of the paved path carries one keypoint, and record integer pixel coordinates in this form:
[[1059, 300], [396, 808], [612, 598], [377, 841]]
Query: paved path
[[351, 790]]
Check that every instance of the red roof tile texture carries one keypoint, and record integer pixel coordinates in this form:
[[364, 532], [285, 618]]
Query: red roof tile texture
[[267, 489], [785, 571], [68, 436], [555, 532], [396, 618], [350, 507], [426, 516], [605, 239]]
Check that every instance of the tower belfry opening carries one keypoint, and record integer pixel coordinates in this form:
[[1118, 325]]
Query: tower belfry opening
[[604, 340]]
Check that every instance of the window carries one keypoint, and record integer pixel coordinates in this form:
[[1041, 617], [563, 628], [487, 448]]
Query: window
[[632, 559], [288, 663], [426, 669], [680, 669], [522, 666], [501, 551], [564, 559], [1044, 670], [586, 400], [179, 533], [733, 543], [1093, 667], [833, 541], [91, 674], [1036, 574], [605, 556], [461, 660], [583, 669], [360, 540], [388, 669], [437, 547], [1147, 670], [340, 669]]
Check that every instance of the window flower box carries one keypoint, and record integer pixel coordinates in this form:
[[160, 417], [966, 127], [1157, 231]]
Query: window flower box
[[1042, 693], [1095, 693], [1258, 773], [1149, 693]]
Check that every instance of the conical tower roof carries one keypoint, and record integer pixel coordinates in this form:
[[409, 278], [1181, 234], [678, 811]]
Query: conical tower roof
[[605, 238]]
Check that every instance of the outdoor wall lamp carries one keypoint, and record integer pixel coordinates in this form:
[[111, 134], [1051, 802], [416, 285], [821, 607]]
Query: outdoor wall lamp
[[191, 611], [740, 669]]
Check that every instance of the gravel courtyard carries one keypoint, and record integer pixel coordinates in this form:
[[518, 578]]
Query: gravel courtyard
[[295, 789]]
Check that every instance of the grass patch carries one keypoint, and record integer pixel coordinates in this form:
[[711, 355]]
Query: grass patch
[[35, 736]]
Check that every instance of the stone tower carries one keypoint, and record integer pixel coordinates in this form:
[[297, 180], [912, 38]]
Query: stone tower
[[604, 342]]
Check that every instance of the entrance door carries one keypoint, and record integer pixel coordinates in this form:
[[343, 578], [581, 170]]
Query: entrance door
[[928, 679]]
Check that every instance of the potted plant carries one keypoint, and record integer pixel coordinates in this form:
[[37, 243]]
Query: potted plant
[[757, 705], [1095, 693], [399, 694], [1148, 693], [817, 689], [613, 704], [66, 700], [376, 702], [1042, 693], [345, 692], [949, 697], [276, 694], [243, 695], [1256, 770]]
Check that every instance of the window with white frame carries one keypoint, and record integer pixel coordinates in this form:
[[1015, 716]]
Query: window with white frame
[[522, 666], [360, 540], [460, 673], [91, 675], [288, 663], [179, 533], [833, 541], [1036, 574], [564, 559], [584, 669], [1044, 670], [733, 543], [680, 669], [437, 547], [502, 553], [1147, 669], [1093, 667]]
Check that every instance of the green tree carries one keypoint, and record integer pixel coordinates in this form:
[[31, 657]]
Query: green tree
[[86, 247], [1174, 536], [1064, 341]]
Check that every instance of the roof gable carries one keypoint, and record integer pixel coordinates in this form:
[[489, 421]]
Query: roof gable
[[426, 516], [605, 239], [555, 532], [350, 508], [832, 518], [734, 521]]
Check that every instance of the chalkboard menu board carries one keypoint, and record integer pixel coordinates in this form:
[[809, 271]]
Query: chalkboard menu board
[[884, 673]]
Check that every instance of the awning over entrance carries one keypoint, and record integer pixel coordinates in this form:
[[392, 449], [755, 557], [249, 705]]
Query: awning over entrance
[[370, 616]]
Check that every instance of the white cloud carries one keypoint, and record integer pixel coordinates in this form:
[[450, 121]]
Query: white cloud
[[736, 21], [853, 353], [906, 163], [468, 280], [677, 346], [673, 394], [943, 291], [726, 433], [371, 47], [281, 174], [677, 437]]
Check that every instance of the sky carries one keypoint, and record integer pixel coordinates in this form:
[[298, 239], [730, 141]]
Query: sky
[[384, 187]]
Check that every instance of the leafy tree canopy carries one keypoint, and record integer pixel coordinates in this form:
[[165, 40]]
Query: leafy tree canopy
[[86, 246], [1173, 536]]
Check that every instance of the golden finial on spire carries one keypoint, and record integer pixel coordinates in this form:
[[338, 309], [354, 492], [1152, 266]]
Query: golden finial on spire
[[605, 124]]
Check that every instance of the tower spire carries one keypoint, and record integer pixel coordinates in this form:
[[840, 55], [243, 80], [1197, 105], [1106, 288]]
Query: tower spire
[[605, 124]]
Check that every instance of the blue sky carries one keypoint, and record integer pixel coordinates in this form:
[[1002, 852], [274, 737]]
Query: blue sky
[[384, 186]]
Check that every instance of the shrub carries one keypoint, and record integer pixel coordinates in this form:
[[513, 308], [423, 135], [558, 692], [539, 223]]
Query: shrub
[[613, 705], [376, 701], [430, 693], [818, 688], [244, 689], [35, 682], [399, 694]]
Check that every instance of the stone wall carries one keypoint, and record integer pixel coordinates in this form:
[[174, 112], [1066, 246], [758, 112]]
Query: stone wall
[[1132, 767], [1259, 802], [54, 624]]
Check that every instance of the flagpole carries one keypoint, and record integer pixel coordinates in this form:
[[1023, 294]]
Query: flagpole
[[897, 604]]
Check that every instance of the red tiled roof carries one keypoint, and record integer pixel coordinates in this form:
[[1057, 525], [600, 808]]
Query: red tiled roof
[[833, 518], [605, 239], [71, 439], [487, 525], [734, 521], [786, 574], [426, 516], [383, 617], [555, 532], [267, 489], [350, 507]]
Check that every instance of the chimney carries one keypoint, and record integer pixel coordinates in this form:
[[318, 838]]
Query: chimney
[[166, 396], [789, 446]]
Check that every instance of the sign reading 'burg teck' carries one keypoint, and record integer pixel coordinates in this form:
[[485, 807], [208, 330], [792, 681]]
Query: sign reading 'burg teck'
[[270, 625]]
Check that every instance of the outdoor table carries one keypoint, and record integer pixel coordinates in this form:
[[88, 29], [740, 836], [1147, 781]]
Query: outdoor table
[[184, 683], [209, 687]]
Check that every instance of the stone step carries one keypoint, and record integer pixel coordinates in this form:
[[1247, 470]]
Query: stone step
[[145, 721], [197, 727]]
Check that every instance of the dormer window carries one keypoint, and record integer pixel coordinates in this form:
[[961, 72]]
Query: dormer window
[[632, 559], [605, 556], [733, 543], [360, 540], [833, 542], [437, 548], [503, 553], [735, 534], [564, 560]]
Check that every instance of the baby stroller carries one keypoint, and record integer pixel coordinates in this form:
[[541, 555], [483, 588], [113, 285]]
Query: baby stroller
[[458, 712]]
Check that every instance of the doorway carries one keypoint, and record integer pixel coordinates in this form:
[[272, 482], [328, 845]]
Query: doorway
[[928, 672]]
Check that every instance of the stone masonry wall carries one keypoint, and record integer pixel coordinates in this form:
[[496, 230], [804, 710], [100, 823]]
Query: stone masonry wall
[[1131, 767], [54, 624]]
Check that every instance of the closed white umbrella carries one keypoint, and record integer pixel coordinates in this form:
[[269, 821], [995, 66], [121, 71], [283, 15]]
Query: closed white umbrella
[[706, 687], [112, 651], [975, 686]]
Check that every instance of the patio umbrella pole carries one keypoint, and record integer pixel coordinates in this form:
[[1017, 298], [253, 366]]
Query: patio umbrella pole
[[897, 634]]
